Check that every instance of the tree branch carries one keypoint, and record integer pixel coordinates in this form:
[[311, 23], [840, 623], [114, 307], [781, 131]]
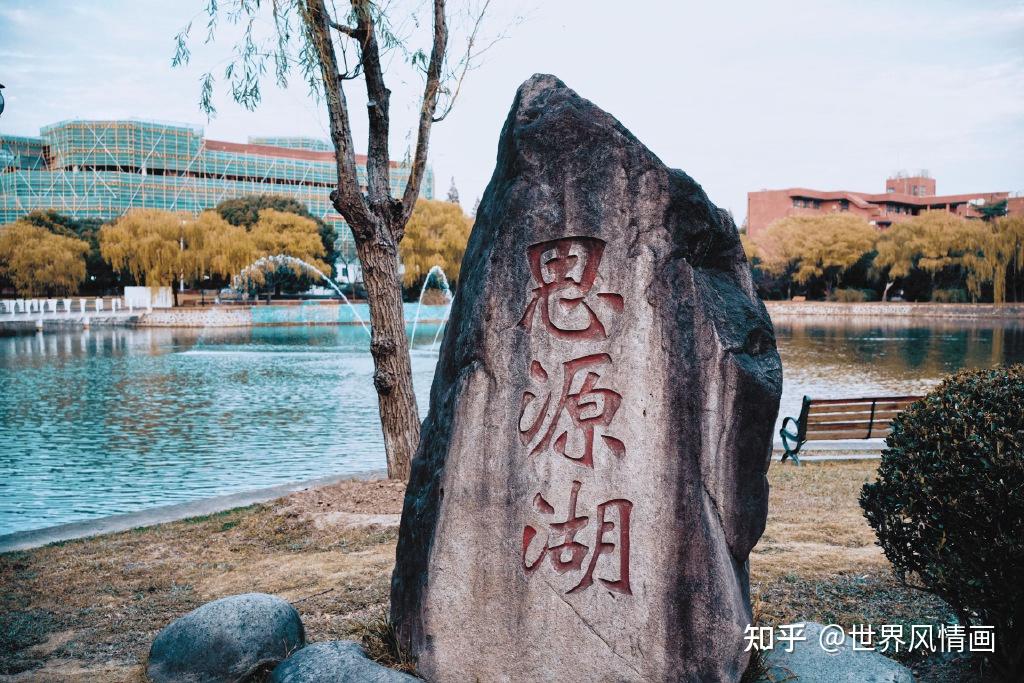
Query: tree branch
[[346, 30], [378, 97], [430, 93], [467, 61], [347, 197]]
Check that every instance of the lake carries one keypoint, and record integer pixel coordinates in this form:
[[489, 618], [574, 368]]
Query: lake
[[106, 421]]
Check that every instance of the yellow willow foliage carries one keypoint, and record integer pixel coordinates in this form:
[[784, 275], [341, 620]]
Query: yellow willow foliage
[[990, 251], [815, 246], [930, 241], [436, 235], [157, 247], [146, 244], [279, 232], [38, 262], [216, 248], [751, 249]]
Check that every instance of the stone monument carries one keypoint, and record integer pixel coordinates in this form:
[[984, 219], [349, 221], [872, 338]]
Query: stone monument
[[591, 476]]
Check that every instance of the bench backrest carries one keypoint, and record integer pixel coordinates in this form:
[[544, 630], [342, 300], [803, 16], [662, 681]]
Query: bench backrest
[[850, 418]]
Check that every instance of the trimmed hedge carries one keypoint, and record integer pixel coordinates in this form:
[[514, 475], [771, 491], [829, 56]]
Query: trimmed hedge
[[948, 506]]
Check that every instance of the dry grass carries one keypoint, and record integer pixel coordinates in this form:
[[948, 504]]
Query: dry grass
[[87, 610]]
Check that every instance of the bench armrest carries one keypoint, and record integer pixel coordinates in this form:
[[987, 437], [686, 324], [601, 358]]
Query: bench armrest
[[790, 439]]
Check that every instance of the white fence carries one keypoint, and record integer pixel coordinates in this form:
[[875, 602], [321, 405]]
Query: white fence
[[40, 308]]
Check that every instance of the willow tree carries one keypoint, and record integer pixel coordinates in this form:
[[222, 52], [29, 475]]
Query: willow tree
[[437, 235], [216, 248], [931, 242], [148, 246], [280, 232], [158, 248], [39, 262], [815, 247], [992, 251], [330, 49]]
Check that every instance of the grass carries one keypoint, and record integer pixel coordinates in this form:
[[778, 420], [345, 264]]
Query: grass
[[87, 610]]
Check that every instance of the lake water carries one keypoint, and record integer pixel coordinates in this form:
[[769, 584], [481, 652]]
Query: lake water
[[106, 421]]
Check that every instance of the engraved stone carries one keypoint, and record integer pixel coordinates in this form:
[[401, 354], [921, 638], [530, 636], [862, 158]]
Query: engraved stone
[[590, 479]]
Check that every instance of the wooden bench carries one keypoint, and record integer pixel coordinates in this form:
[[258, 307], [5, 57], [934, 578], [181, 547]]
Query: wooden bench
[[840, 419]]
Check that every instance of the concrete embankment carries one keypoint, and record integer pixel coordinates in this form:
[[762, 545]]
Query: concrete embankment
[[894, 310], [319, 313], [25, 324], [299, 313]]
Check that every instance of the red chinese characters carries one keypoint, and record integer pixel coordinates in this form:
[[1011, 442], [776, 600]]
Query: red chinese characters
[[582, 408], [611, 538], [565, 270], [566, 413]]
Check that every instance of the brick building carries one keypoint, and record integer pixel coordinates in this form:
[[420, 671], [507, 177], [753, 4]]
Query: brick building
[[905, 196]]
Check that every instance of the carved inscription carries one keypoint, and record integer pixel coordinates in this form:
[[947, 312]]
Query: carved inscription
[[565, 271], [568, 404], [582, 404], [611, 537]]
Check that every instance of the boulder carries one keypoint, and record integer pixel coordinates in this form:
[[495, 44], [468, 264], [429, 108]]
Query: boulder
[[338, 661], [226, 640], [810, 663], [590, 478]]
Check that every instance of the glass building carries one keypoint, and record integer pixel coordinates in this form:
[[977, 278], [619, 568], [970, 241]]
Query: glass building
[[101, 169]]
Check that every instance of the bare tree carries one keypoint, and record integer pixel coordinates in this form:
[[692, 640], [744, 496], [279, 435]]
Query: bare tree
[[377, 217]]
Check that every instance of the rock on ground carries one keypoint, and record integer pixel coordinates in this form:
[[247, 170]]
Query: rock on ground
[[590, 478], [809, 663], [226, 640], [338, 661]]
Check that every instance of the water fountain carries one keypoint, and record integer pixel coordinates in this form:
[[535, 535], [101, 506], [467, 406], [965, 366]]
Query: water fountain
[[267, 263], [434, 272]]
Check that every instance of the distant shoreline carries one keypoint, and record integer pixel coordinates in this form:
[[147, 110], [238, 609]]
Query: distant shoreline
[[901, 309], [290, 314], [232, 315]]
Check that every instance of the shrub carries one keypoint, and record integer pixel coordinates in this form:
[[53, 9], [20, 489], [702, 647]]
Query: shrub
[[850, 295], [948, 506], [949, 296]]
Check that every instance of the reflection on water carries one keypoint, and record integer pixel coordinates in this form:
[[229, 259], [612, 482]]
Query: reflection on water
[[874, 356], [100, 422], [105, 421]]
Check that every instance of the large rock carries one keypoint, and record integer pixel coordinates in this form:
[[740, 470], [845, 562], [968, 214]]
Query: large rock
[[338, 661], [226, 640], [591, 476], [810, 663]]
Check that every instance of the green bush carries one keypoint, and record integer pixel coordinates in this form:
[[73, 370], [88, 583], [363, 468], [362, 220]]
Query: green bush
[[948, 506], [949, 296]]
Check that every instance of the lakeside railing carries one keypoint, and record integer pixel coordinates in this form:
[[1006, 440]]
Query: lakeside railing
[[66, 306]]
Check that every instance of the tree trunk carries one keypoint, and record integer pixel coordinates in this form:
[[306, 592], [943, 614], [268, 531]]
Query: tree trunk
[[389, 346], [885, 292]]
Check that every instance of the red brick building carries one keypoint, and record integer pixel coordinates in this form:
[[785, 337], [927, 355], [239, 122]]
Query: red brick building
[[904, 196]]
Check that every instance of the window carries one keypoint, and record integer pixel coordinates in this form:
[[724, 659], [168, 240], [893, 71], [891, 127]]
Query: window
[[844, 204]]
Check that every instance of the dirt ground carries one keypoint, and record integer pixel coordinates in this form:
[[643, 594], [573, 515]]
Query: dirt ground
[[87, 610]]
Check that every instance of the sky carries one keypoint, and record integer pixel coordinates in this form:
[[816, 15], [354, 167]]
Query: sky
[[741, 95]]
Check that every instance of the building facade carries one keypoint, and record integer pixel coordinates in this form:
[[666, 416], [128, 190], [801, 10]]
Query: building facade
[[905, 196], [101, 169]]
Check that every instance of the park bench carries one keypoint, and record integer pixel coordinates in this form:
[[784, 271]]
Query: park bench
[[840, 419]]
